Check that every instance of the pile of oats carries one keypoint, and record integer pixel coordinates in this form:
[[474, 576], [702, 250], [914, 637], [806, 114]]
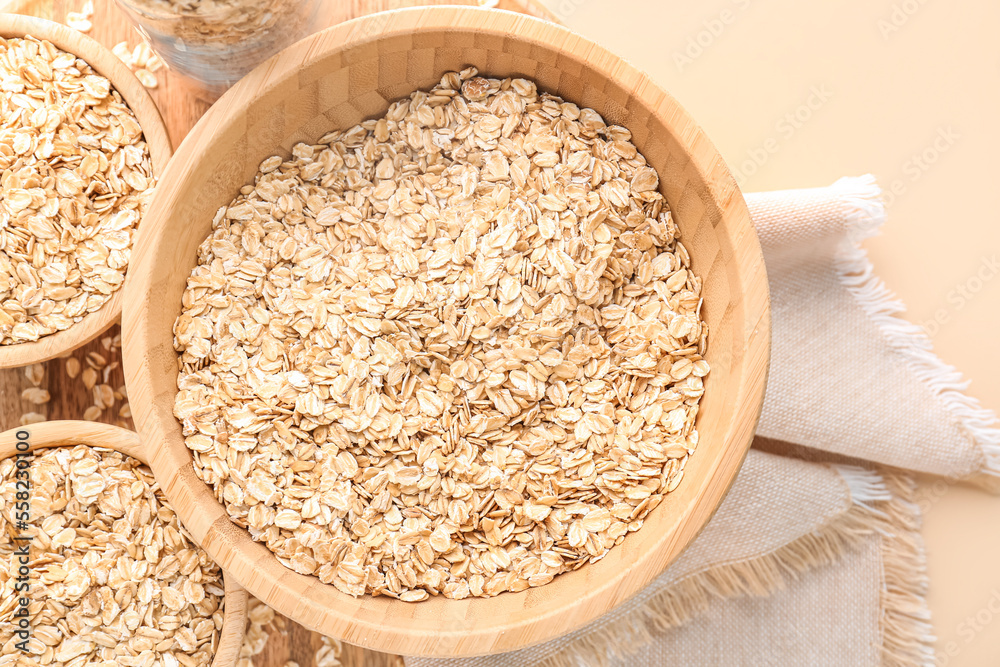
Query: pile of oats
[[115, 579], [75, 179], [221, 22], [453, 351]]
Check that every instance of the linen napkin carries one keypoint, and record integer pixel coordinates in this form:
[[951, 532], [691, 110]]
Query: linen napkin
[[848, 376], [861, 606], [834, 548]]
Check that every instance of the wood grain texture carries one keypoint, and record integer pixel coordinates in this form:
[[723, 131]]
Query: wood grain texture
[[105, 63], [349, 73], [72, 433], [180, 105]]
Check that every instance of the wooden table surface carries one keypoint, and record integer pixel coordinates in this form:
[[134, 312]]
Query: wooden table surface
[[181, 105]]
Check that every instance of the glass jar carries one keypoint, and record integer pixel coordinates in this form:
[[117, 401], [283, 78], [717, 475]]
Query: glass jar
[[217, 42]]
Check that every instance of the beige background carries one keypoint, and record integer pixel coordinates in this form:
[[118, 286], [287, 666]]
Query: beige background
[[887, 81]]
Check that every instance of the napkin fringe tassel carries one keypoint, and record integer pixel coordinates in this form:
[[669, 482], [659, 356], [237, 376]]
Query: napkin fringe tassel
[[882, 507], [866, 486], [865, 217], [907, 635]]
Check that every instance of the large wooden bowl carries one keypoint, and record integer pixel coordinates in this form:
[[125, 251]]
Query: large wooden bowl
[[110, 67], [349, 73], [73, 433]]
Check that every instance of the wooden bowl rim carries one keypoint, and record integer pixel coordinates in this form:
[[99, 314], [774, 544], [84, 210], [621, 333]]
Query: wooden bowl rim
[[70, 433], [138, 99], [232, 545]]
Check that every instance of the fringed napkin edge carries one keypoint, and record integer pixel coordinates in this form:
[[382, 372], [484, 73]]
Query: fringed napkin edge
[[866, 215], [881, 505]]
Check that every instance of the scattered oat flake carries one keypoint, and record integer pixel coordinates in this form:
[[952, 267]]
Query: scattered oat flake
[[89, 377], [29, 418], [329, 652], [79, 21], [146, 78], [96, 360], [155, 63], [104, 396], [261, 622], [35, 396], [122, 50], [141, 54], [35, 373]]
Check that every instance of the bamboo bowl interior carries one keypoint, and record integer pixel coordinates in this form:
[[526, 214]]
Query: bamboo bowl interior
[[73, 433], [349, 73], [110, 67]]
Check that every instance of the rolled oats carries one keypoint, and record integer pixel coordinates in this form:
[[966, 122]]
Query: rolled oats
[[29, 418], [75, 179], [224, 21], [146, 78], [79, 21], [217, 42], [35, 373], [35, 396], [261, 622], [89, 378], [455, 351], [141, 60], [329, 653], [117, 580]]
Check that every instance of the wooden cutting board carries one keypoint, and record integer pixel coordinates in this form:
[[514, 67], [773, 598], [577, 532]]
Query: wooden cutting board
[[181, 106]]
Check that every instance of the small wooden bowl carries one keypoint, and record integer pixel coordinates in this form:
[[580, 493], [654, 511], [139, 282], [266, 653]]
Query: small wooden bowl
[[349, 73], [73, 433], [109, 66]]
